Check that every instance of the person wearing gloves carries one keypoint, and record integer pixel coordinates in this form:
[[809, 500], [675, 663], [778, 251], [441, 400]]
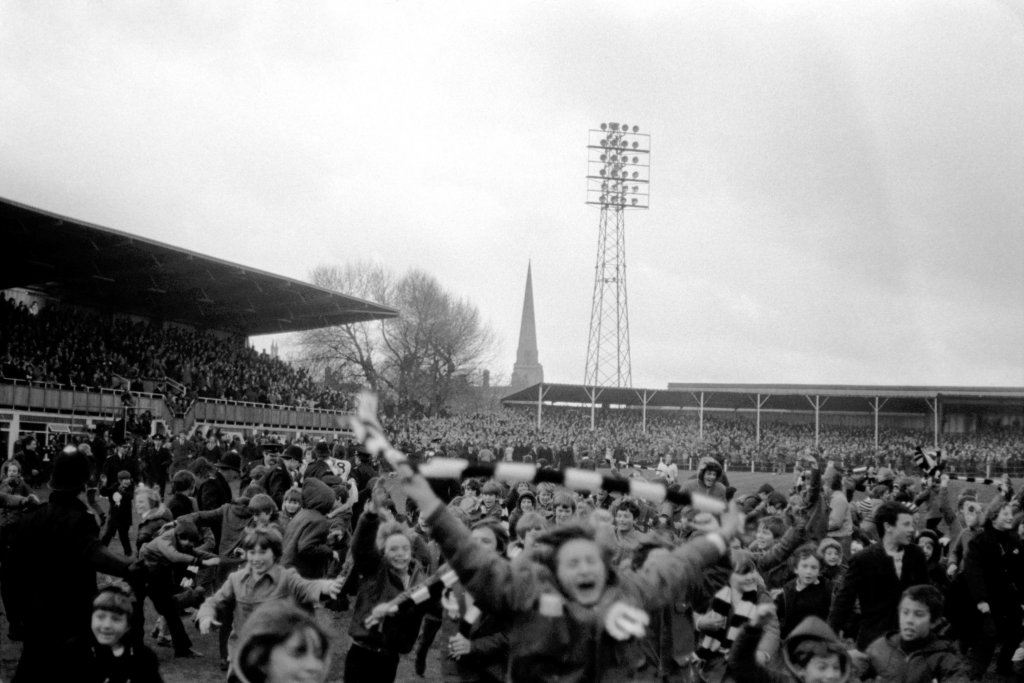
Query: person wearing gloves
[[573, 615]]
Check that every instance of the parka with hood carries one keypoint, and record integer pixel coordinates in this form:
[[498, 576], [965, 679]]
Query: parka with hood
[[552, 638], [743, 662], [934, 659], [305, 539], [697, 485]]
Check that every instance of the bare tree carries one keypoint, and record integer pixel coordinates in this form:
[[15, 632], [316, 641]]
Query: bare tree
[[418, 361]]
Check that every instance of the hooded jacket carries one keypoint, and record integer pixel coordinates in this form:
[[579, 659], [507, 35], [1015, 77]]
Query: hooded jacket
[[743, 664], [932, 660], [305, 539], [697, 485]]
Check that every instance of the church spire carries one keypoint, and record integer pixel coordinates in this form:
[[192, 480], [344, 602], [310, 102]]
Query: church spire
[[527, 370]]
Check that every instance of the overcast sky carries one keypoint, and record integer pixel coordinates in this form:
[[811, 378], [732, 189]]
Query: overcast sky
[[837, 187]]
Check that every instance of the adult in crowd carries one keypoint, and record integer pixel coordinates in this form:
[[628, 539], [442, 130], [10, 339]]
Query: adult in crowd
[[55, 554], [878, 575]]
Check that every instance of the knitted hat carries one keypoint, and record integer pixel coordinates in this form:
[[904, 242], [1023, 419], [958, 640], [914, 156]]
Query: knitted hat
[[322, 449], [186, 530], [829, 542]]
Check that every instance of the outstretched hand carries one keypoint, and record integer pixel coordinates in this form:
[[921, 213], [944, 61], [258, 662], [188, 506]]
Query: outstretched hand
[[732, 522], [764, 612], [379, 613], [418, 488], [624, 621]]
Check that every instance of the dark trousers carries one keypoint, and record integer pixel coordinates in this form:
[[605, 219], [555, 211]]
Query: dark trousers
[[368, 666], [1003, 631], [118, 524], [161, 588]]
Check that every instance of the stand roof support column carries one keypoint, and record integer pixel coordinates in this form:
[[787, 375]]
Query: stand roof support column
[[935, 407], [592, 393], [876, 405], [758, 404], [645, 398], [541, 393], [700, 411], [817, 402]]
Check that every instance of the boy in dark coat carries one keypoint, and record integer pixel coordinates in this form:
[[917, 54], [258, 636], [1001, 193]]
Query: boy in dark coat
[[914, 654]]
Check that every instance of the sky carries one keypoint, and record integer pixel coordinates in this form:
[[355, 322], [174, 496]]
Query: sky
[[837, 189]]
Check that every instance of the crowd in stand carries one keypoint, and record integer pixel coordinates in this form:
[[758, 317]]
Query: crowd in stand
[[77, 348], [565, 435], [842, 575]]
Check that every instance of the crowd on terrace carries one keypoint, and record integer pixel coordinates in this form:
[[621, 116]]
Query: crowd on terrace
[[77, 348]]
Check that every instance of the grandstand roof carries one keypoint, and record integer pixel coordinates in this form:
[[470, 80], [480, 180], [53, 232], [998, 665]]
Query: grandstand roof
[[101, 268], [785, 397]]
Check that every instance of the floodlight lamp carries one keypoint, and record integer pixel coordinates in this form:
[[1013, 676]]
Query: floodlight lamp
[[636, 129], [634, 201], [604, 126], [635, 175], [636, 160], [603, 157], [601, 171], [635, 145]]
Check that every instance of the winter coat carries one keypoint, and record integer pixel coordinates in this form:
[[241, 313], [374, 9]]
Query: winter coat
[[871, 579], [276, 483], [85, 661], [162, 552], [935, 659], [696, 485], [379, 583], [773, 564], [213, 492], [228, 523], [990, 570], [488, 654], [55, 553], [19, 490], [318, 469], [150, 525], [743, 662], [793, 605], [179, 504], [552, 638], [305, 539], [243, 592], [840, 516]]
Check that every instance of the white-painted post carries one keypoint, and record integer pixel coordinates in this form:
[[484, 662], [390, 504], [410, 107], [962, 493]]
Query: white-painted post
[[13, 434], [645, 412], [702, 416], [758, 439], [817, 418], [593, 407], [540, 401]]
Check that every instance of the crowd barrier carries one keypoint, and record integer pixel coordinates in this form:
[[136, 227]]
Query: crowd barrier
[[225, 412], [48, 397], [58, 398]]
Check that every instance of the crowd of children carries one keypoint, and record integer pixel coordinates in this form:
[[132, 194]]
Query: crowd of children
[[818, 583]]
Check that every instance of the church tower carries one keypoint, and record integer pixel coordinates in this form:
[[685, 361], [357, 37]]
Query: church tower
[[527, 370]]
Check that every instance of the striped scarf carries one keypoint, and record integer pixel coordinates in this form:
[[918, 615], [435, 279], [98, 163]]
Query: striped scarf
[[718, 642]]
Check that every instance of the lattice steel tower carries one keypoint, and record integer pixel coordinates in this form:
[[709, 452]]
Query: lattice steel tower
[[618, 178]]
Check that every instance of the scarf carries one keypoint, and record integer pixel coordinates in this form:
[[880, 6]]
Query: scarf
[[719, 641]]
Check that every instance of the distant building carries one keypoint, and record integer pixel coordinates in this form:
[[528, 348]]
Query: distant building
[[527, 371]]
